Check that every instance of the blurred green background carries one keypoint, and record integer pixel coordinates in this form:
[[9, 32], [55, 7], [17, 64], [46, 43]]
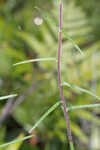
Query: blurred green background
[[23, 38]]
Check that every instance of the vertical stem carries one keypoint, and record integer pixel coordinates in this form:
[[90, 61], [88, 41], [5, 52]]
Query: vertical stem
[[59, 77]]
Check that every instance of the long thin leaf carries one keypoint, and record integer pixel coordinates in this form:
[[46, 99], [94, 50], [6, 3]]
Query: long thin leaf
[[8, 96], [52, 22], [15, 141], [81, 89], [35, 60], [16, 146], [45, 115], [73, 42], [82, 106], [36, 124]]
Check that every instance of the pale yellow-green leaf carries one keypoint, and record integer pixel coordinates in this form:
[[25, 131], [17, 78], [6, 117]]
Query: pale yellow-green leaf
[[17, 145]]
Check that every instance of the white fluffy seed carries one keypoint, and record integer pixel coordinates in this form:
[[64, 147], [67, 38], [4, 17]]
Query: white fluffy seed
[[38, 20]]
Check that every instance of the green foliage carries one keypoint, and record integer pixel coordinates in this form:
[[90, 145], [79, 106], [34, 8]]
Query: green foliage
[[76, 130], [92, 10], [21, 39]]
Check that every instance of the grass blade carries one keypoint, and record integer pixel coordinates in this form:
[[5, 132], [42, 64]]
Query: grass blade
[[35, 60], [64, 32], [45, 115], [73, 42], [81, 89], [8, 96], [82, 106], [15, 141], [16, 146], [36, 124]]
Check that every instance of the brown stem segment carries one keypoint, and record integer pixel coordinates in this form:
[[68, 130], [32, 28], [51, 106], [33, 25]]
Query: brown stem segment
[[59, 74]]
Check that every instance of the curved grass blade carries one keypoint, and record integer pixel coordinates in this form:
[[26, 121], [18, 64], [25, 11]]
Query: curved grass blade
[[35, 60], [36, 124], [82, 106], [45, 115], [64, 32], [8, 96], [73, 42], [81, 89], [15, 141], [16, 146]]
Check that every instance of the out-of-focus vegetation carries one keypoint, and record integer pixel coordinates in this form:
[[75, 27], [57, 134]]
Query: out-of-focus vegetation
[[21, 38]]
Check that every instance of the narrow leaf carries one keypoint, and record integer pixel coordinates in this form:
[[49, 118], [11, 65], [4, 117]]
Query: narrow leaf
[[45, 115], [52, 22], [17, 145], [36, 124], [35, 60], [8, 96], [15, 141], [73, 42], [82, 106], [81, 89]]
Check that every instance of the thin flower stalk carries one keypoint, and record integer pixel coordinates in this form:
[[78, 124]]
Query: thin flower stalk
[[59, 75]]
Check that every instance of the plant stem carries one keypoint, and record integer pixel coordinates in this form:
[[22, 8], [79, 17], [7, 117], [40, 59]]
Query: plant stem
[[59, 77]]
